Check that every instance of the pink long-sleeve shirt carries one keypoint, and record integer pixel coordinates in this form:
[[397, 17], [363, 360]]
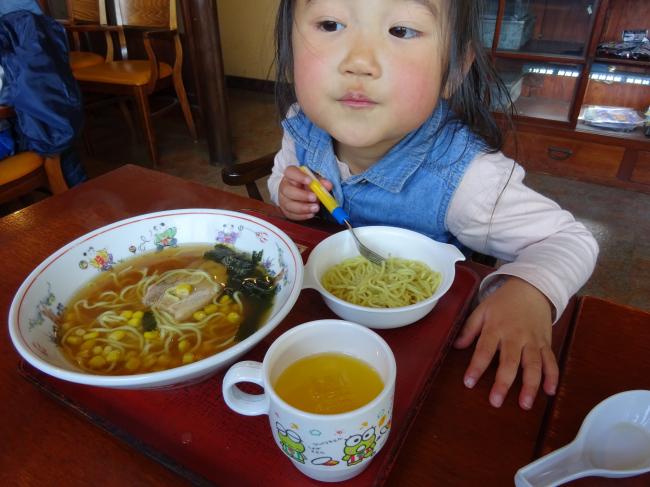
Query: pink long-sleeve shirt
[[495, 213]]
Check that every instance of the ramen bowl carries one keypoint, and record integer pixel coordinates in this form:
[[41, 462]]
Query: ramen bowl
[[388, 242], [39, 306]]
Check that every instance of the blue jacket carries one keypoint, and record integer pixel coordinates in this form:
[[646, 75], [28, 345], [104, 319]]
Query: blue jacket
[[410, 187], [7, 6], [39, 82]]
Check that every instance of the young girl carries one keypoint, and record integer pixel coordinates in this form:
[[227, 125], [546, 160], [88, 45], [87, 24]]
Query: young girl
[[388, 101]]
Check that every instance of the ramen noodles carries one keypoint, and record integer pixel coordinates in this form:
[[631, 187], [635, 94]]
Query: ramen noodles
[[165, 309], [396, 282]]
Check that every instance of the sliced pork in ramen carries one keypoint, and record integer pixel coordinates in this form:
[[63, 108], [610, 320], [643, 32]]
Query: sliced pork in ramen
[[180, 298]]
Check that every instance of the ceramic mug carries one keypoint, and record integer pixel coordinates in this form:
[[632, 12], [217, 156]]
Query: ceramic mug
[[326, 447]]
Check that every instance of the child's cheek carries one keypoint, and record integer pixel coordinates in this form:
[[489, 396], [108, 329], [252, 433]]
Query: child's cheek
[[416, 89], [308, 77]]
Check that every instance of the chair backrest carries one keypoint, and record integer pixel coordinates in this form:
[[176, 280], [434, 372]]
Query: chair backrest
[[146, 13], [83, 10]]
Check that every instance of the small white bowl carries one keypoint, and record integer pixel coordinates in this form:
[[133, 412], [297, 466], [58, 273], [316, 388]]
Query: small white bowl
[[52, 284], [389, 242]]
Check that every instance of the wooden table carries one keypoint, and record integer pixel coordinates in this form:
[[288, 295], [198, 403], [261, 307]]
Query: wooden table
[[457, 438]]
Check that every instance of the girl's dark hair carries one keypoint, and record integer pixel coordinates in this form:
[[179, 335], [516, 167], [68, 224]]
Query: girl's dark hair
[[475, 92]]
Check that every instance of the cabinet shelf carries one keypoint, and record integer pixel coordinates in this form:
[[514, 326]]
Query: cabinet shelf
[[635, 135], [622, 62], [550, 48], [530, 56], [543, 108], [547, 57]]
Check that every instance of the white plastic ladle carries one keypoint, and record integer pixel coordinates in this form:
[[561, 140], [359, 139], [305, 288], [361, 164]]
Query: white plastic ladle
[[613, 441]]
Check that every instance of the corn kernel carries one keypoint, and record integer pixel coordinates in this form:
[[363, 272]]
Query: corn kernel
[[66, 326], [88, 344], [233, 317], [163, 360], [97, 361], [188, 358], [92, 334], [97, 349], [107, 349], [211, 308], [183, 290], [149, 360], [183, 346], [134, 322], [80, 332], [127, 313], [151, 335], [73, 340], [225, 299], [117, 335], [113, 356], [138, 314], [132, 364], [198, 315]]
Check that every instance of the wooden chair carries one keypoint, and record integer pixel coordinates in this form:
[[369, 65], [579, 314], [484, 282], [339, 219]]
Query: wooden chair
[[25, 172], [83, 17], [83, 12], [247, 173], [140, 78]]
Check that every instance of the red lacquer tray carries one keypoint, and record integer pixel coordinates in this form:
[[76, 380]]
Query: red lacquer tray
[[193, 432]]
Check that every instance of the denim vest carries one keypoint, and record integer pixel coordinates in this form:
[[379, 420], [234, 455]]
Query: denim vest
[[410, 187]]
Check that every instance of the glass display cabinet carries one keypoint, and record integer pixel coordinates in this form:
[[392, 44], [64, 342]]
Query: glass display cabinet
[[578, 74]]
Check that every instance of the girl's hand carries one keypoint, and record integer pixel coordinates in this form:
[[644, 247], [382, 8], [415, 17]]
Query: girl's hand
[[516, 320], [296, 200]]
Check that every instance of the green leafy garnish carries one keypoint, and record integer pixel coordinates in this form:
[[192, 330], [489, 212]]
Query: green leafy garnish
[[245, 272], [149, 321]]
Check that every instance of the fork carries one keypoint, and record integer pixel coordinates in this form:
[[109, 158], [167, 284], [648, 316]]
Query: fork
[[340, 215]]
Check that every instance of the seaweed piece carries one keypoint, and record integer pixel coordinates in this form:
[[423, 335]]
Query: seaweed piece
[[248, 276], [149, 322], [258, 306], [245, 273]]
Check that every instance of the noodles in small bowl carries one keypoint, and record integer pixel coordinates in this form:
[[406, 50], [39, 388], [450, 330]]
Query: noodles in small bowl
[[418, 271], [397, 282]]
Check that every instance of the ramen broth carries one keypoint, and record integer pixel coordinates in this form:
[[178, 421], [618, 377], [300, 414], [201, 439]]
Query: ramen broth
[[328, 383], [131, 319]]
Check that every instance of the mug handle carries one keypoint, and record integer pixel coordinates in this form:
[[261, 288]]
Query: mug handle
[[242, 402]]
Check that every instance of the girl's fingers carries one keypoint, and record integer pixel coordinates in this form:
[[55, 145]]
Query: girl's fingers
[[326, 183], [551, 370], [531, 363], [509, 359], [470, 330], [298, 210], [297, 193], [486, 347], [297, 202], [296, 176]]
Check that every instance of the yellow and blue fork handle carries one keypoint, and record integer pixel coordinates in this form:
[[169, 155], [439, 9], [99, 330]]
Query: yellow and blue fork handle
[[325, 197]]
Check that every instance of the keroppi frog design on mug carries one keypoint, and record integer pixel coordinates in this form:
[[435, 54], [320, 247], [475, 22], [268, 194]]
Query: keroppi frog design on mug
[[347, 447], [291, 443]]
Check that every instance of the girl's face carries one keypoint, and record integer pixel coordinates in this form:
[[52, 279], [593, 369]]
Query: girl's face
[[368, 71]]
